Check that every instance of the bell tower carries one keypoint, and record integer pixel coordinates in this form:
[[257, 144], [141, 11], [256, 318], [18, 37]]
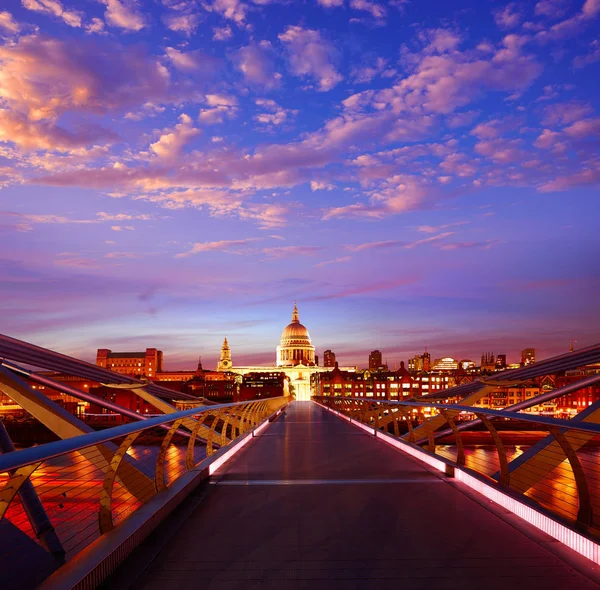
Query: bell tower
[[225, 363]]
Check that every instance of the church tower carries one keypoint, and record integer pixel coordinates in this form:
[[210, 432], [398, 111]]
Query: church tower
[[225, 363]]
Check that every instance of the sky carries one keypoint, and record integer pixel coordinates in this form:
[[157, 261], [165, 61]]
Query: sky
[[413, 173]]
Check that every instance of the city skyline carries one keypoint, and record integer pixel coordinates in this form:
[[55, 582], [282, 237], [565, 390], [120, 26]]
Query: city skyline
[[413, 174]]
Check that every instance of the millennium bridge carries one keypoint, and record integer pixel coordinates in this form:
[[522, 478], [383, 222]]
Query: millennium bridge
[[336, 492]]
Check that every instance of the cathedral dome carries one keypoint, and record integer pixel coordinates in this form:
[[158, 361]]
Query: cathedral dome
[[295, 331], [295, 346]]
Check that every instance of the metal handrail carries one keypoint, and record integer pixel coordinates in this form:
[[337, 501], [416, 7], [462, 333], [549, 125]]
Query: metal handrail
[[545, 420], [23, 457]]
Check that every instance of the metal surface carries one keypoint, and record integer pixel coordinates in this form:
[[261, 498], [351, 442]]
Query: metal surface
[[562, 478], [80, 483], [319, 504]]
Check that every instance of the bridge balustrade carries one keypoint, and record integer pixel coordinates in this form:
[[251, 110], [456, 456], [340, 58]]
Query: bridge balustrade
[[559, 475], [92, 484]]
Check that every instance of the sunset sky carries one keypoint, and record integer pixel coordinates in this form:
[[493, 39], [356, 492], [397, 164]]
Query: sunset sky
[[414, 173]]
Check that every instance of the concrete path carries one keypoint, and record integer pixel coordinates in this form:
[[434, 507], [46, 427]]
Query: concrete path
[[315, 502]]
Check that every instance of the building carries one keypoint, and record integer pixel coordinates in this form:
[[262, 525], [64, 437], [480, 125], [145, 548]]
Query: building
[[145, 364], [376, 362], [501, 362], [263, 385], [389, 385], [329, 358], [420, 363], [295, 357], [225, 363], [488, 363], [445, 364], [528, 356], [295, 347]]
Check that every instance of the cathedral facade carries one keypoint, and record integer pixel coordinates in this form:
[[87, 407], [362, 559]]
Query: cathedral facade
[[295, 356]]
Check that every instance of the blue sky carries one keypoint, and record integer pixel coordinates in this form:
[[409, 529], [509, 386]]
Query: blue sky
[[412, 173]]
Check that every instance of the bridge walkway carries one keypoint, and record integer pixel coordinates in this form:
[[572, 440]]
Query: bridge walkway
[[316, 503]]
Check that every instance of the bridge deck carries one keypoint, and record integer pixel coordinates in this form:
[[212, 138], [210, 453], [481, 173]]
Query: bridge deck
[[315, 503]]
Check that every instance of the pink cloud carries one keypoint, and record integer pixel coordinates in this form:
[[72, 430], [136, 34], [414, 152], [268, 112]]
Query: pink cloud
[[44, 78], [310, 56], [185, 23], [220, 107], [73, 18], [257, 66], [584, 128], [377, 11], [553, 9], [339, 260], [222, 33], [233, 10], [549, 140], [8, 23], [285, 251], [374, 245], [588, 174], [398, 194], [469, 245], [592, 57], [124, 14], [229, 246], [509, 17], [172, 141], [369, 287], [573, 25], [501, 150]]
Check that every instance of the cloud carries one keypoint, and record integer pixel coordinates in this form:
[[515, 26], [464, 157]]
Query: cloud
[[573, 25], [430, 239], [185, 23], [374, 245], [55, 8], [233, 10], [509, 17], [564, 113], [363, 289], [331, 3], [8, 23], [587, 175], [124, 14], [184, 61], [431, 229], [584, 128], [592, 57], [469, 245], [334, 261], [123, 255], [221, 106], [377, 11], [398, 194], [552, 9], [122, 227], [275, 115], [172, 141], [229, 246], [365, 74], [286, 251], [45, 78], [222, 33], [256, 63], [310, 56]]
